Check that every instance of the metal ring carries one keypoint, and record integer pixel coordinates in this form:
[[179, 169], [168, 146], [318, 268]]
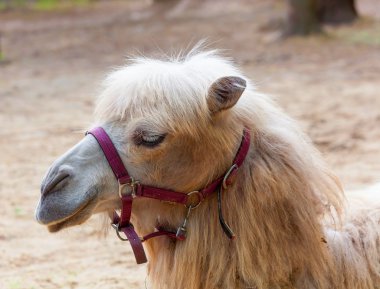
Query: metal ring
[[116, 227], [199, 200]]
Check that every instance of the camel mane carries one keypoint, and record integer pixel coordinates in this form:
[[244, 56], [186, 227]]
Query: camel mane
[[174, 86], [285, 206]]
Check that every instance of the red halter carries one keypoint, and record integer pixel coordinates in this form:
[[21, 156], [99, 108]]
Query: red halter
[[129, 189]]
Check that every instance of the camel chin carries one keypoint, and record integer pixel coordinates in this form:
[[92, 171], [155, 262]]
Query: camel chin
[[73, 220]]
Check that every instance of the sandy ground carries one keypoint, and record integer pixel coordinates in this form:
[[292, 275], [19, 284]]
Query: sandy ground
[[329, 83]]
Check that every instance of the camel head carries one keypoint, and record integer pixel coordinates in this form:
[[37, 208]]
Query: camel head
[[174, 126], [177, 125]]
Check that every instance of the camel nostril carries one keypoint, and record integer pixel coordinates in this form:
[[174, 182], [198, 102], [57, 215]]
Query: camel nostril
[[54, 183]]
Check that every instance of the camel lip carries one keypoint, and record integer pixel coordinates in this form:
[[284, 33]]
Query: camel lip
[[78, 217]]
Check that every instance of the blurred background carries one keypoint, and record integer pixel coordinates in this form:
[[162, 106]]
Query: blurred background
[[320, 59]]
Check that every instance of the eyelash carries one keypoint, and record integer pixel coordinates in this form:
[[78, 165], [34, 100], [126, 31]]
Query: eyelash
[[152, 141], [148, 140]]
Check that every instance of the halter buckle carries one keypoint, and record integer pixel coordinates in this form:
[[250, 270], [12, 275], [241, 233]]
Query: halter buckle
[[128, 188]]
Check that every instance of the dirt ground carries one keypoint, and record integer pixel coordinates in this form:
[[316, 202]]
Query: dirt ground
[[50, 77]]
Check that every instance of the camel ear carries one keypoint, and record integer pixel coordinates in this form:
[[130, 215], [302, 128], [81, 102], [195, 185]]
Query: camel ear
[[225, 92]]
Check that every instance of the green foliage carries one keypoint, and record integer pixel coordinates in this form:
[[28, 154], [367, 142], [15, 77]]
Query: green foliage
[[18, 211], [364, 37], [56, 4], [46, 4], [14, 284], [43, 5], [364, 33]]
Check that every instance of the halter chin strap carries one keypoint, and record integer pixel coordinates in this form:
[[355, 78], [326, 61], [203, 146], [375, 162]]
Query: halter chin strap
[[129, 189]]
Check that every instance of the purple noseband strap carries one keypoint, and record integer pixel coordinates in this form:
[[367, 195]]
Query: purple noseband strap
[[129, 189], [111, 154]]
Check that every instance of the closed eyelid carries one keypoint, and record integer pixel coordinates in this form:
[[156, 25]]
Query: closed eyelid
[[148, 140], [148, 129], [141, 129]]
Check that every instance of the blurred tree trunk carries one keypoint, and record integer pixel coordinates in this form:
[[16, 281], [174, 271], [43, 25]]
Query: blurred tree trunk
[[161, 7], [302, 18], [337, 11], [306, 16], [165, 3], [173, 8]]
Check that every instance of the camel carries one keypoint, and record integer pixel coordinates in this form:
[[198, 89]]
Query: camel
[[177, 124]]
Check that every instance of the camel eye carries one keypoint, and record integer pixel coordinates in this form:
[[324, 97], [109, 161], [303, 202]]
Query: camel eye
[[148, 139], [152, 140]]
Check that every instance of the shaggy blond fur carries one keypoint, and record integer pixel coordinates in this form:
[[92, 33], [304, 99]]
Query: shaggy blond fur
[[285, 206]]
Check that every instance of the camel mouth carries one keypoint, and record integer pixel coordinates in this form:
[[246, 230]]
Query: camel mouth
[[78, 217]]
